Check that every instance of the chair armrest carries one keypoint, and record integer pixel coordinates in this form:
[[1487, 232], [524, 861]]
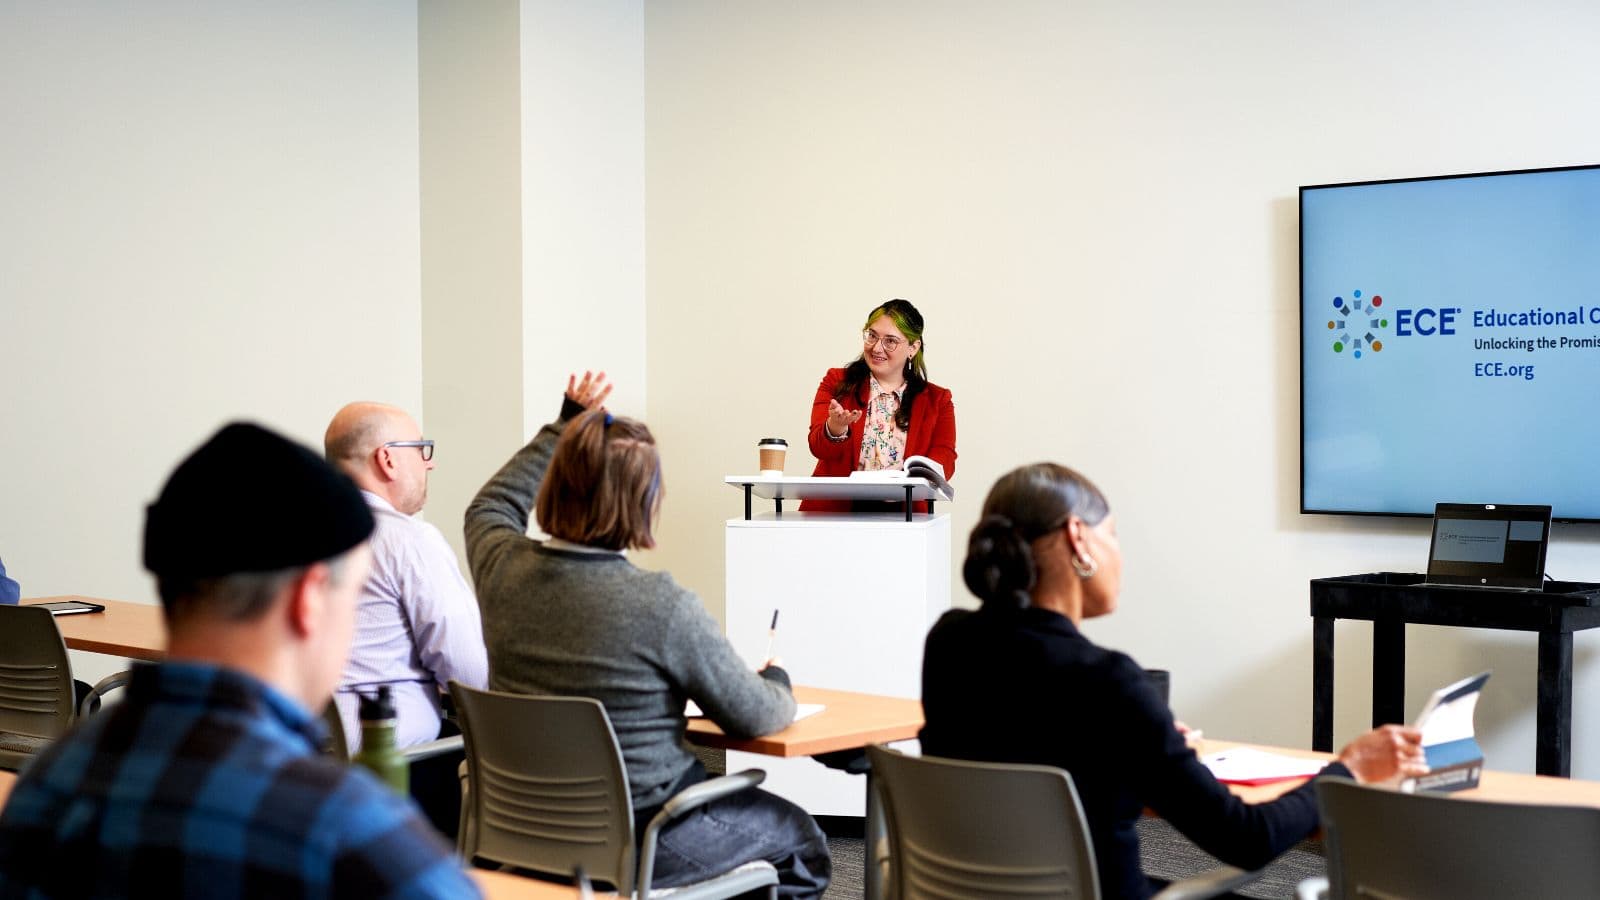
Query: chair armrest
[[430, 749], [91, 700], [686, 800], [706, 791], [1313, 888], [1218, 881]]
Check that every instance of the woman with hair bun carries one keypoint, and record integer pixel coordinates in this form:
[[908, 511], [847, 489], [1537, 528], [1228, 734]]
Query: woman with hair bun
[[1016, 681], [572, 616], [881, 408]]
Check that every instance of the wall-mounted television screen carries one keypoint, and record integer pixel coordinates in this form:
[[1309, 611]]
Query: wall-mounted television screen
[[1450, 343]]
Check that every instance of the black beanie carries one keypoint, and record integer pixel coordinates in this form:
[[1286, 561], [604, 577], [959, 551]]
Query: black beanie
[[200, 528]]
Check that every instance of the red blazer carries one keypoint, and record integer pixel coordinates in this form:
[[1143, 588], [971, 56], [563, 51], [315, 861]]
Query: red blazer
[[932, 433]]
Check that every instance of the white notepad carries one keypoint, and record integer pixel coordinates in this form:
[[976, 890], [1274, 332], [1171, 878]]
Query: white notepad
[[801, 710], [1247, 765]]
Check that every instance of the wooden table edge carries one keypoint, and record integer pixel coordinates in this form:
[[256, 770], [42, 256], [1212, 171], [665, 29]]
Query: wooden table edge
[[96, 645]]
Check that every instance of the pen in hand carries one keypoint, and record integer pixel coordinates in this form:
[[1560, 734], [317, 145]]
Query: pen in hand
[[772, 635]]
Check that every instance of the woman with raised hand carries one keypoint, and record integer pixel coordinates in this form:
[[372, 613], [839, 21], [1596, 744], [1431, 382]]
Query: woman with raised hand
[[572, 616], [1016, 681], [880, 409]]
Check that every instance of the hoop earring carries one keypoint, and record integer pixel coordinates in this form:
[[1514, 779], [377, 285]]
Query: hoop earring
[[1085, 566]]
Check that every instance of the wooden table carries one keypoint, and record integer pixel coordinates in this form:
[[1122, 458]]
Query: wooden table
[[1503, 787], [505, 886], [851, 720], [133, 630]]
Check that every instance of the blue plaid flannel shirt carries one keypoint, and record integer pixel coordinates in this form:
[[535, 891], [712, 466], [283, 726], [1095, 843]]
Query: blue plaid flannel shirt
[[205, 782]]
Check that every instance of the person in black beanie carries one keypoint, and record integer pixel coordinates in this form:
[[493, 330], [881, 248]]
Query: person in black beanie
[[207, 778]]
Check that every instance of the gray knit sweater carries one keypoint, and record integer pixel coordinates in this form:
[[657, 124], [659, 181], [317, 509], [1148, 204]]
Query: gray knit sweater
[[574, 624]]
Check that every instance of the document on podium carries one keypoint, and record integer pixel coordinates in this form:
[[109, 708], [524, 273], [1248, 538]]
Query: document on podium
[[922, 467]]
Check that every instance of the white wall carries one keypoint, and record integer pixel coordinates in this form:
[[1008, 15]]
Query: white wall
[[533, 223], [583, 200], [1094, 206], [470, 101], [210, 212]]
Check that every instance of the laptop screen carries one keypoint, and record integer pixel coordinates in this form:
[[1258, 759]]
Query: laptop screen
[[1489, 545]]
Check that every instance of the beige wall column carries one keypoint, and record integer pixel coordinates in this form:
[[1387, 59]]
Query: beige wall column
[[469, 58]]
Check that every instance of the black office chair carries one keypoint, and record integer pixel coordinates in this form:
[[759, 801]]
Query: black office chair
[[38, 702]]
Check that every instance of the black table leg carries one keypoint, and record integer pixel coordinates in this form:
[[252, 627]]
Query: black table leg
[[747, 503], [1322, 684], [909, 507], [1552, 753], [1388, 672]]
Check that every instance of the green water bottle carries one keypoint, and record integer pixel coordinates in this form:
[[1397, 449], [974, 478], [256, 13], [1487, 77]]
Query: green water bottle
[[378, 750]]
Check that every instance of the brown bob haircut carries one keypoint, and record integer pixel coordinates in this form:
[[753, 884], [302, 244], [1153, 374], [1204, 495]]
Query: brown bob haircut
[[603, 487]]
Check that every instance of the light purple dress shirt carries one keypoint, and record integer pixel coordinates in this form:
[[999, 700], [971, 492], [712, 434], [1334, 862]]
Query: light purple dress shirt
[[418, 620]]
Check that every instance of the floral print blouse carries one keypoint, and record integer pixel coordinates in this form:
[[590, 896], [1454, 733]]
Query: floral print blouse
[[883, 443]]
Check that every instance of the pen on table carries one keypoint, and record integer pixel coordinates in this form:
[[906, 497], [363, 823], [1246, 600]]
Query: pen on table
[[772, 634]]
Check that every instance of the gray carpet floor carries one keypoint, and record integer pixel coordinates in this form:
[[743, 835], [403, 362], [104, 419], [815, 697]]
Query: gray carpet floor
[[1166, 854]]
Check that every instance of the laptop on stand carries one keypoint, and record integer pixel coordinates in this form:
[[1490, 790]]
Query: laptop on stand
[[1488, 545]]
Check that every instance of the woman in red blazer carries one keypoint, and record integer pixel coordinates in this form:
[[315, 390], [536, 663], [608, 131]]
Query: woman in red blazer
[[881, 409]]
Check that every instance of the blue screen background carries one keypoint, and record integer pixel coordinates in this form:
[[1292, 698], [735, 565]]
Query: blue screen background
[[1426, 419]]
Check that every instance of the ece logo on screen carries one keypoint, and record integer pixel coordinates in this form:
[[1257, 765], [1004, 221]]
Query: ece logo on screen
[[1426, 321], [1348, 328]]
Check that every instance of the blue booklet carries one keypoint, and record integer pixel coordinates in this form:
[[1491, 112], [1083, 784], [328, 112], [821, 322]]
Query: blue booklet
[[1455, 761]]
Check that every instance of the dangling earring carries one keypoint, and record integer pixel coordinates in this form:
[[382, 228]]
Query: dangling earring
[[1085, 566]]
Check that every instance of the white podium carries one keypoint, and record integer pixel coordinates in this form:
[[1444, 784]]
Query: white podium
[[857, 594]]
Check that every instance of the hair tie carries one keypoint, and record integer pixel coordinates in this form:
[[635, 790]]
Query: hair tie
[[609, 419]]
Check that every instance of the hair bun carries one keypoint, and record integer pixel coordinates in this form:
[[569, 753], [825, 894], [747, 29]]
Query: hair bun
[[999, 564]]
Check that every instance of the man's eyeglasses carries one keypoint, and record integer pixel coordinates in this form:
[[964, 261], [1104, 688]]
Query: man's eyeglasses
[[890, 342], [425, 446]]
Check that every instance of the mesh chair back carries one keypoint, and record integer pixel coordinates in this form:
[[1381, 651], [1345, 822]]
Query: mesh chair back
[[976, 830], [1382, 843], [548, 790], [36, 697]]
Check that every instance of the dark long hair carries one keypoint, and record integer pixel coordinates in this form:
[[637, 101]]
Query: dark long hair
[[1023, 506], [906, 318]]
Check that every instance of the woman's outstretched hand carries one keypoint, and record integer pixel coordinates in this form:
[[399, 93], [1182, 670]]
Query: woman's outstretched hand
[[1384, 753], [591, 392], [839, 419]]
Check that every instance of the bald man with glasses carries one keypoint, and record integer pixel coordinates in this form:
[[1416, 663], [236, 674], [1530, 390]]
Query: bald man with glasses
[[418, 624]]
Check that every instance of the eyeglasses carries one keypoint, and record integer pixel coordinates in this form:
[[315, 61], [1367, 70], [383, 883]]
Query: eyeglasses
[[890, 342], [425, 446]]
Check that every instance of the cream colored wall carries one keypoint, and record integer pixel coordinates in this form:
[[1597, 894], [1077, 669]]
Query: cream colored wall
[[470, 61], [210, 212], [533, 223], [1094, 206], [583, 200]]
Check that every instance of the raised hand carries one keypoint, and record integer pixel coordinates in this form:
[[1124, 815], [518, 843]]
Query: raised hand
[[840, 419], [591, 392]]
